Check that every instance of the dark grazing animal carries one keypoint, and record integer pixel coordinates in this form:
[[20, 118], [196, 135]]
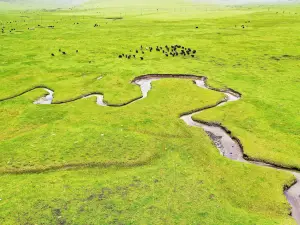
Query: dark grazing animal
[[64, 53], [120, 56], [52, 54], [142, 58]]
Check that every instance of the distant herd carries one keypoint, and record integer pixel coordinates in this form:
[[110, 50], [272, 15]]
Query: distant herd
[[172, 51]]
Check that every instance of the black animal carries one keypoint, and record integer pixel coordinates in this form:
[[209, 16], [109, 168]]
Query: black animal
[[194, 52], [52, 54], [120, 56], [193, 56], [76, 51], [142, 58], [136, 51], [196, 27], [64, 53], [134, 56], [59, 50]]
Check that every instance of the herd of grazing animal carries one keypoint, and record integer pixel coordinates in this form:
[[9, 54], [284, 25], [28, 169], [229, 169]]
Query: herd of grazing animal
[[167, 51], [62, 52]]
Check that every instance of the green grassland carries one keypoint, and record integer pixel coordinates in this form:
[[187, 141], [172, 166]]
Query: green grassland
[[80, 163]]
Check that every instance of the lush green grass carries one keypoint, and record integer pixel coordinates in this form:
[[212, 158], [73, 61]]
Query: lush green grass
[[149, 167]]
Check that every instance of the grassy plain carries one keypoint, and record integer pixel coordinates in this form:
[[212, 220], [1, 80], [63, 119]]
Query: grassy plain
[[141, 164]]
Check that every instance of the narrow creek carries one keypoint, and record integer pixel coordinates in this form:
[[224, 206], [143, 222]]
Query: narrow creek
[[228, 146]]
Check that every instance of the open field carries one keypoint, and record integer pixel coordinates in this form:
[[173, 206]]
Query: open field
[[80, 163]]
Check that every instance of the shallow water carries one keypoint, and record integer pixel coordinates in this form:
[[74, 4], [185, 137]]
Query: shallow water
[[100, 99], [46, 100]]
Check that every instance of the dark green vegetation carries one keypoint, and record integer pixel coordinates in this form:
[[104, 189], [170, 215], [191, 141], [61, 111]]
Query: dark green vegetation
[[148, 167]]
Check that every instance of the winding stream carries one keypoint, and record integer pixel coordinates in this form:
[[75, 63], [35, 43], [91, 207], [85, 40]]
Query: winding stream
[[227, 145]]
